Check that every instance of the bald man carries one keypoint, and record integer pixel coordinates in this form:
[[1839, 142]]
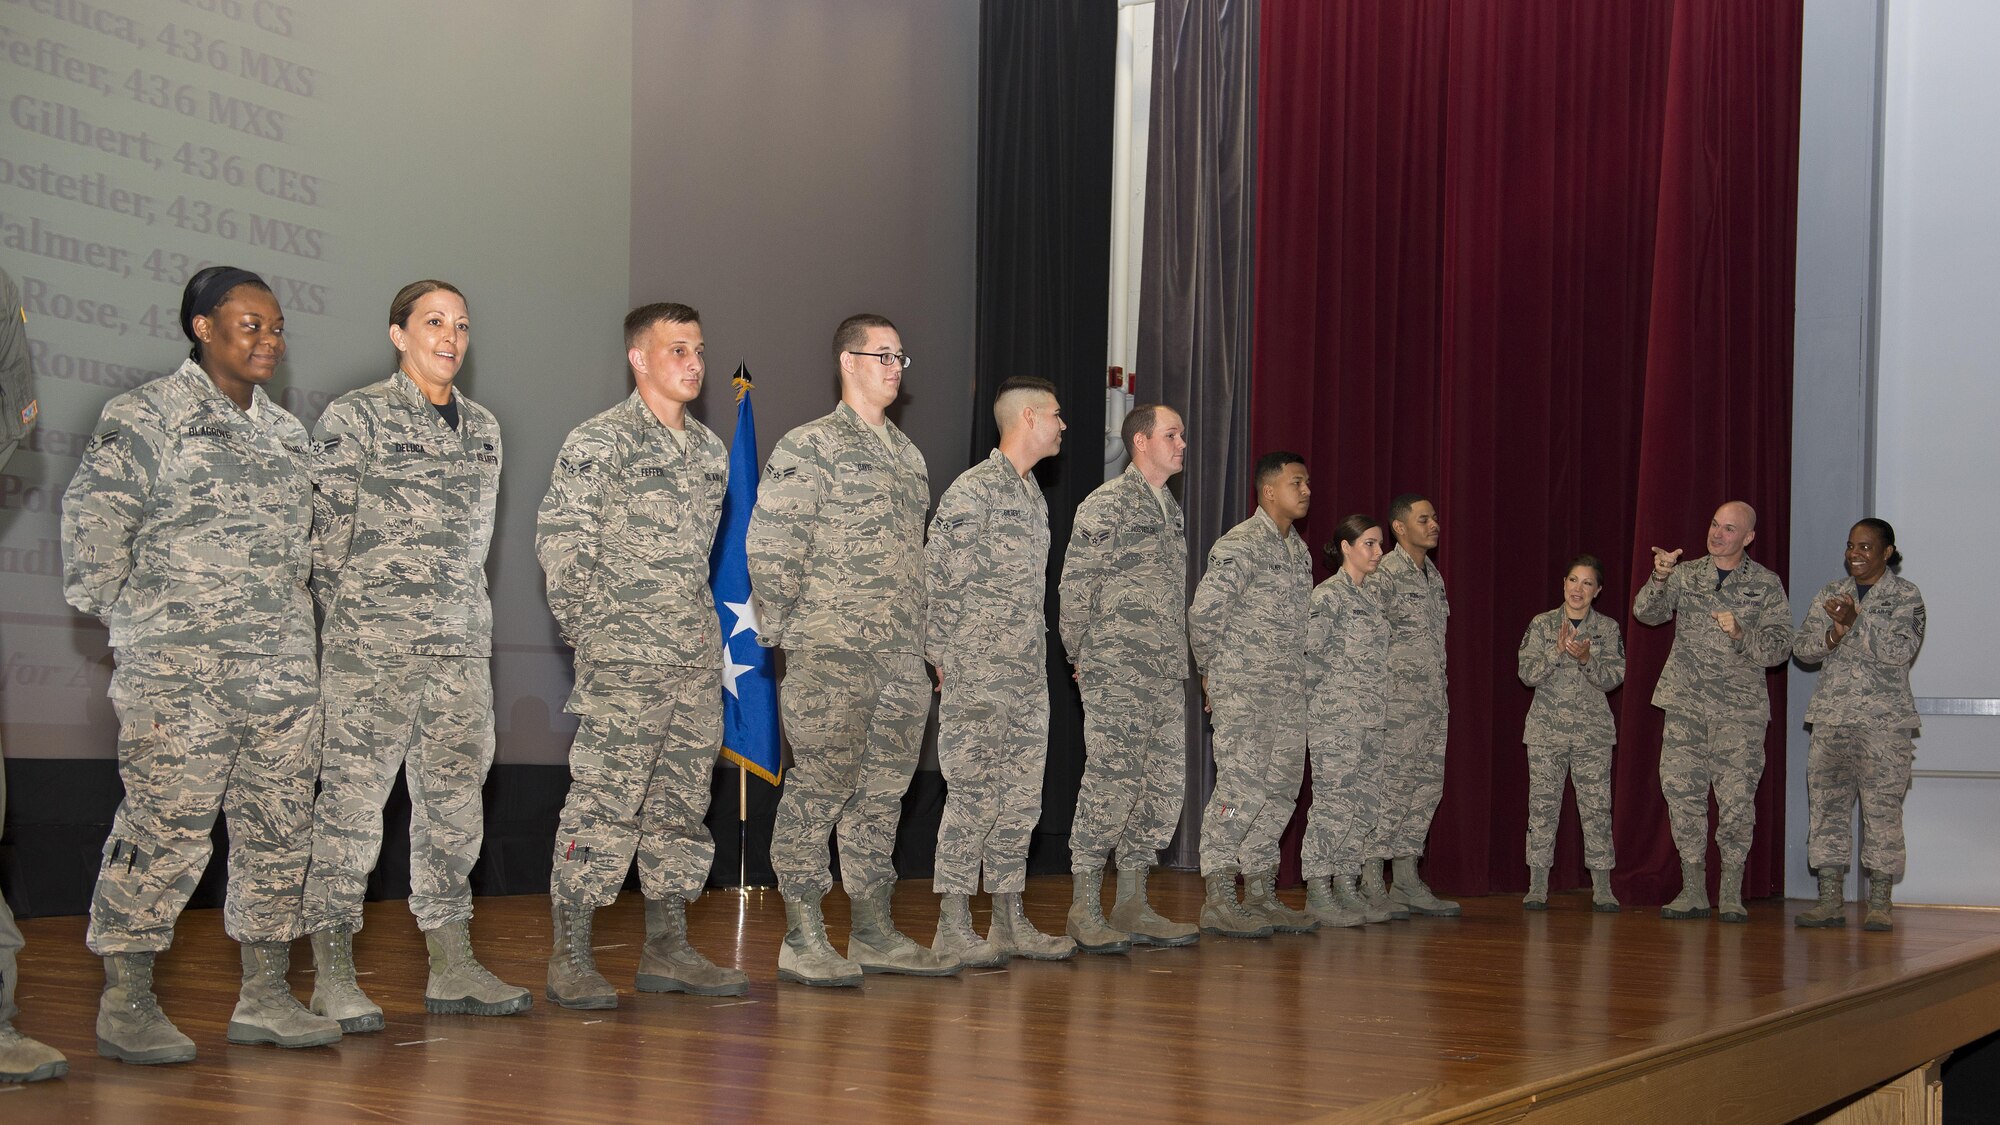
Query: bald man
[[1733, 622]]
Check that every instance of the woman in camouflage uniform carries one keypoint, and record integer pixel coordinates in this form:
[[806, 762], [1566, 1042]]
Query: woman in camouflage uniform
[[1863, 631], [1572, 656], [403, 509], [1349, 649], [185, 529]]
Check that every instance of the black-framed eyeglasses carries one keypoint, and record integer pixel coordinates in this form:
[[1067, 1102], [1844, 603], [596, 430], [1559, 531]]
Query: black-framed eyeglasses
[[887, 358]]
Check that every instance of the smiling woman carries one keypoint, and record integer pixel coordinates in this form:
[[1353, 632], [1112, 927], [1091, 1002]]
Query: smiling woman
[[185, 529], [403, 516]]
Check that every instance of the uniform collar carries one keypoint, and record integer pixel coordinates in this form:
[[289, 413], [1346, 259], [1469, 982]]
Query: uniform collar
[[407, 388], [1270, 526], [193, 381]]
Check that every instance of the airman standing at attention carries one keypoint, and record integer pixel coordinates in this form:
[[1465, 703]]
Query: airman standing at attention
[[1124, 625], [623, 537], [21, 1059], [987, 635], [1413, 600], [403, 514], [1249, 627], [836, 555]]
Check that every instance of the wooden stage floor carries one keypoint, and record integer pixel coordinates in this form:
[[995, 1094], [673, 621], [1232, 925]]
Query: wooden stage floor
[[1500, 1015]]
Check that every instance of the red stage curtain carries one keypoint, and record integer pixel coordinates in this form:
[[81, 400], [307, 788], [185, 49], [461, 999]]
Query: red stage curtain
[[1534, 259]]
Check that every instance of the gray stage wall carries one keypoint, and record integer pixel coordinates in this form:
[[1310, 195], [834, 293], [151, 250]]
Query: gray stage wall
[[796, 162], [776, 164]]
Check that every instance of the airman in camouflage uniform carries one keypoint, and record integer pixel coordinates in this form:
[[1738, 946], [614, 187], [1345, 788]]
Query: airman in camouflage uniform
[[623, 536], [1348, 647], [1249, 628], [1864, 631], [21, 1059], [403, 513], [185, 530], [1733, 623], [986, 634], [835, 551], [1124, 625], [1419, 718], [1572, 656]]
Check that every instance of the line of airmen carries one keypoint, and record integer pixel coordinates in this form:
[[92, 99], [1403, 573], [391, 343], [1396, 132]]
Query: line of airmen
[[206, 526]]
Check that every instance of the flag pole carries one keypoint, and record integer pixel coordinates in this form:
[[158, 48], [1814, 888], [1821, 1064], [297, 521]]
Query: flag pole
[[742, 827]]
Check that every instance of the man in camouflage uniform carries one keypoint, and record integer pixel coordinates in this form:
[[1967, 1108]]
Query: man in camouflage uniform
[[836, 562], [985, 632], [1864, 631], [1419, 720], [402, 521], [1124, 625], [1572, 656], [1248, 627], [21, 1059], [1733, 622], [185, 530], [624, 535]]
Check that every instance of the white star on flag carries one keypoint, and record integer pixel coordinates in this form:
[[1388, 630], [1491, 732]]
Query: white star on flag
[[746, 617], [731, 670]]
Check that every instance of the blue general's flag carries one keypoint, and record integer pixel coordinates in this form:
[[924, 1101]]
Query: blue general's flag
[[749, 683]]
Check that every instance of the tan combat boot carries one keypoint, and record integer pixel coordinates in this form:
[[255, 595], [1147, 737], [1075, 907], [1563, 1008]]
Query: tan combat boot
[[1131, 913], [1601, 898], [336, 995], [574, 981], [806, 957], [23, 1059], [1729, 894], [459, 985], [875, 944], [1693, 899], [1222, 916], [1831, 909], [1086, 924], [266, 1011], [1376, 893], [956, 937], [1879, 919], [1324, 905], [1260, 899], [130, 1026], [1409, 891], [1013, 934], [1537, 897], [670, 963]]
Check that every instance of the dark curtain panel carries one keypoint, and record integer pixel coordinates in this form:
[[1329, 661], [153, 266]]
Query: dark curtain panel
[[1535, 261], [1195, 286], [1044, 276]]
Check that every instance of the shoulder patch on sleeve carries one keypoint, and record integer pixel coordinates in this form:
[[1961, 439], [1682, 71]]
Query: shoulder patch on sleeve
[[100, 439]]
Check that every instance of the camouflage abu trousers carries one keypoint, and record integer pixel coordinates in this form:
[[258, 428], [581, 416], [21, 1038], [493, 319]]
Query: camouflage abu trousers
[[1697, 755], [10, 934], [1260, 760], [1849, 764], [1412, 780], [198, 735], [1134, 769], [856, 724], [383, 710], [1589, 770], [993, 742], [1347, 799], [640, 771]]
